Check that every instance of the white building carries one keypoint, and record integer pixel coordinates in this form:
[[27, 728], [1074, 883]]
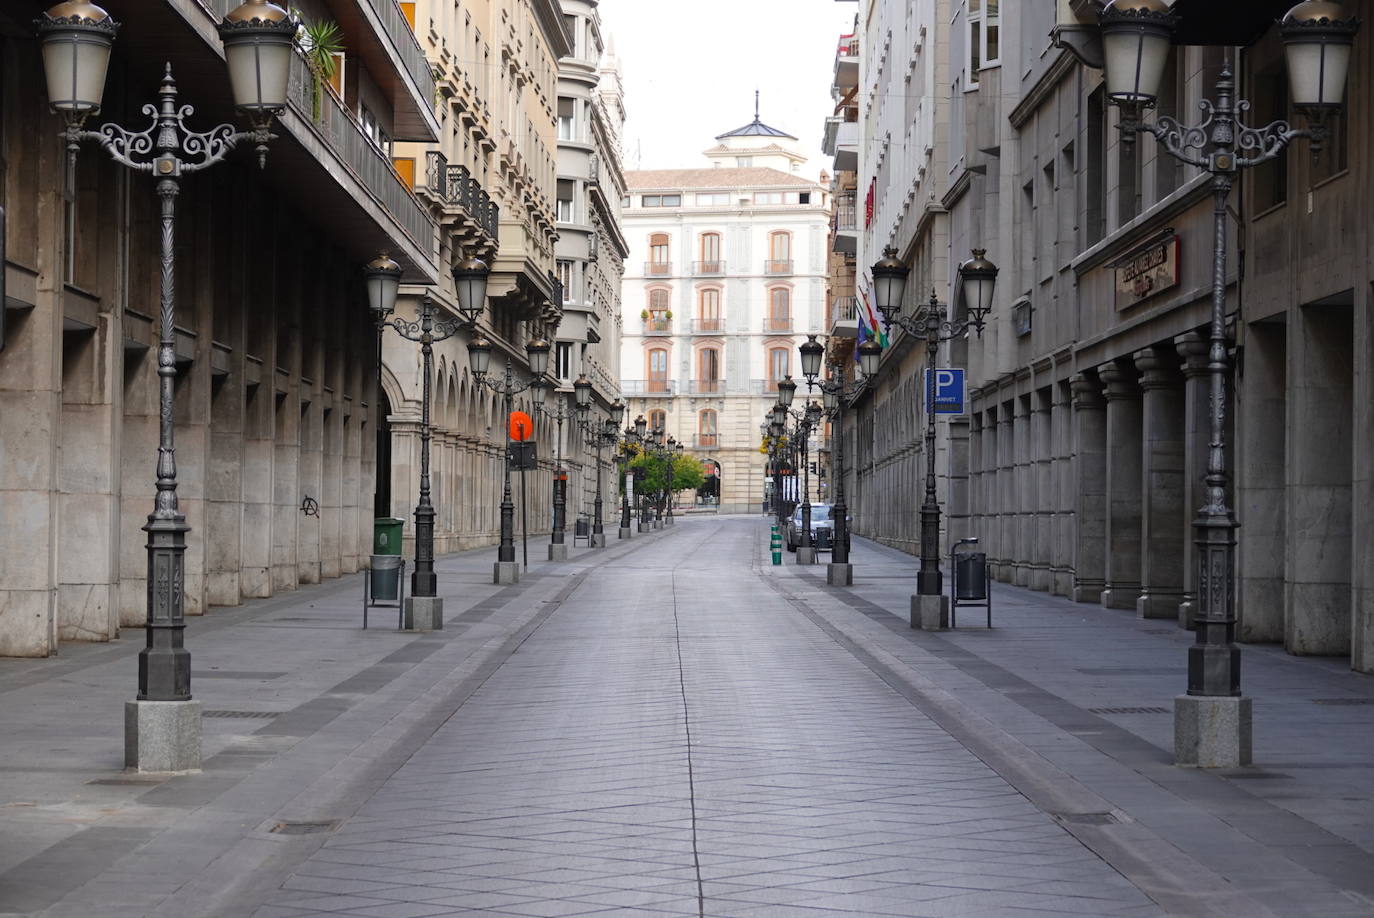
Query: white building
[[726, 277]]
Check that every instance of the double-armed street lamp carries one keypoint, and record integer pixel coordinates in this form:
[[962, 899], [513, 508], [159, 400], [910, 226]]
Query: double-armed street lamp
[[598, 435], [835, 394], [633, 434], [805, 421], [1212, 722], [977, 280], [162, 726], [558, 546]]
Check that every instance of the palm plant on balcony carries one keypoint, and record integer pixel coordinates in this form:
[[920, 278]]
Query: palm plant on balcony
[[321, 43]]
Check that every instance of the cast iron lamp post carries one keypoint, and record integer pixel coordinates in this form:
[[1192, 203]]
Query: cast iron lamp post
[[597, 435], [558, 546], [835, 394], [505, 569], [1212, 722], [804, 422], [641, 435], [977, 279], [76, 38]]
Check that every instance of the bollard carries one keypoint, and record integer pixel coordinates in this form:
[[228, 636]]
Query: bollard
[[775, 546]]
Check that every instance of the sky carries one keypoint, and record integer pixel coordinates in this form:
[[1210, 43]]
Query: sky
[[691, 70]]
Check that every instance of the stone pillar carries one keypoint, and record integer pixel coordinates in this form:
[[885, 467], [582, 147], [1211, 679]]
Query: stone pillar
[[1042, 540], [1123, 485], [1163, 515], [1260, 494], [1006, 494], [1320, 476], [1025, 493], [1090, 487], [992, 522], [1192, 349], [1061, 433], [1362, 589], [976, 504]]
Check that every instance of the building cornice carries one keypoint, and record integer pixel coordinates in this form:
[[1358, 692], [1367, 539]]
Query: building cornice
[[1044, 87], [550, 17]]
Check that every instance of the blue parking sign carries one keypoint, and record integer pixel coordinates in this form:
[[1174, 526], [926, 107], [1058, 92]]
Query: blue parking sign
[[950, 390]]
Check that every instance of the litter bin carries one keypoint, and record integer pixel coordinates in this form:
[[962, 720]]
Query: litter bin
[[386, 577], [972, 577], [386, 535]]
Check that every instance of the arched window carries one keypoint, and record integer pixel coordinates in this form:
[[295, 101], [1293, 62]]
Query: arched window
[[660, 263], [779, 365], [708, 371], [710, 262], [658, 370], [707, 434], [708, 310], [779, 318], [660, 317], [779, 253], [658, 419]]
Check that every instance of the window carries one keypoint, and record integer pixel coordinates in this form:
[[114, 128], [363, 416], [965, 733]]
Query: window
[[713, 200], [658, 370], [707, 430], [1270, 94], [626, 201], [565, 277], [659, 262], [744, 162], [658, 419], [779, 253], [782, 197], [661, 200], [779, 365], [709, 247], [566, 125], [1095, 222], [779, 317], [982, 38], [562, 361], [660, 318], [565, 211], [708, 371], [708, 310]]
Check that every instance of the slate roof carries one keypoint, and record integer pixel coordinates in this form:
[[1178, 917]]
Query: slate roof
[[721, 178]]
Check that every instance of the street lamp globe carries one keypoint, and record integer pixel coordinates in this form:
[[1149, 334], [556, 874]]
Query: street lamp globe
[[540, 392], [641, 425], [870, 355], [831, 396], [470, 283], [259, 39], [889, 283], [383, 281], [812, 351], [1317, 37], [610, 428], [479, 356], [977, 280], [582, 390], [1136, 38], [618, 413], [813, 414], [76, 38], [537, 352], [787, 390]]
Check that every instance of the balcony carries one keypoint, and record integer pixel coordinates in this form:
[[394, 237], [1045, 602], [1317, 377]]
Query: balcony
[[658, 269], [777, 324], [454, 189], [845, 240], [847, 62], [775, 268], [342, 133], [706, 441], [648, 388], [708, 326], [844, 317], [708, 268], [707, 386], [658, 326], [847, 147]]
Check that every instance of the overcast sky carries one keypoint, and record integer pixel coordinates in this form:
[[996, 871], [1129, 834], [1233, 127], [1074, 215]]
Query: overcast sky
[[691, 71]]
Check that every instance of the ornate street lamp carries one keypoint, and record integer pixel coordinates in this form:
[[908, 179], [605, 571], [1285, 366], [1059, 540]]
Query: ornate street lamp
[[558, 547], [76, 38], [1213, 721], [977, 282]]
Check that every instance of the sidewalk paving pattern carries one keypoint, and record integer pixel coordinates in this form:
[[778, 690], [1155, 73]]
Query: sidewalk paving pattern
[[676, 728]]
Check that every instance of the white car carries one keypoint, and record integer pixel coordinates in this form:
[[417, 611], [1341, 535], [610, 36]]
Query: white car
[[822, 528]]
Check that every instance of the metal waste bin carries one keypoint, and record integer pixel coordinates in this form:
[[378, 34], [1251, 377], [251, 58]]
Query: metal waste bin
[[386, 577], [386, 535], [972, 576]]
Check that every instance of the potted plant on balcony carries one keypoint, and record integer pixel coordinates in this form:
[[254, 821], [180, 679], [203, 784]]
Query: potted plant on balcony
[[644, 314], [321, 44]]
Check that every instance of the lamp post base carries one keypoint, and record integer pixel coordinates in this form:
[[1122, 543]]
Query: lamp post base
[[598, 540], [643, 527], [930, 611], [806, 555], [839, 574], [558, 551], [423, 613], [162, 737], [1212, 731], [505, 572], [625, 532]]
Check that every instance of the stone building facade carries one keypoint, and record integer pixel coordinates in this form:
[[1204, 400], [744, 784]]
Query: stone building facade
[[276, 356], [1081, 463], [726, 276]]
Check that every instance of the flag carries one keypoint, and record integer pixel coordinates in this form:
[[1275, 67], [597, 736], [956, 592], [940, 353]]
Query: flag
[[870, 328]]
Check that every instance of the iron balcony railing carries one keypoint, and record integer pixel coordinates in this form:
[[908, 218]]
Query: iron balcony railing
[[708, 268], [707, 386], [658, 268], [455, 185], [407, 46], [708, 326], [648, 388], [777, 323], [844, 309], [344, 135], [706, 441], [775, 266], [658, 325], [846, 214]]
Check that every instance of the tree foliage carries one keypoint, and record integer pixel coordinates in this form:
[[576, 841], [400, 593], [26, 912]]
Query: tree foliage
[[688, 473]]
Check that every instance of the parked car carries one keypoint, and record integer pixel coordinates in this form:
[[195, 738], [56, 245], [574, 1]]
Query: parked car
[[822, 528]]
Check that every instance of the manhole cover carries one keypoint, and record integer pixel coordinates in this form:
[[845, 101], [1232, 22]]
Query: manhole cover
[[1086, 819], [1343, 702], [302, 828], [1141, 710], [260, 715]]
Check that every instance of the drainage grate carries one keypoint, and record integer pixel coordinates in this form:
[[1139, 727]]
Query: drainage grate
[[1086, 819], [259, 715], [1343, 702], [1144, 710], [302, 828]]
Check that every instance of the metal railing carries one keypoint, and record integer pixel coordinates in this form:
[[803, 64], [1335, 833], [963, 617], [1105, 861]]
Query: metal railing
[[777, 323], [707, 386], [708, 326], [773, 266], [708, 268], [467, 193], [846, 214], [648, 388], [844, 309], [407, 47], [658, 268], [658, 325], [706, 441], [344, 135]]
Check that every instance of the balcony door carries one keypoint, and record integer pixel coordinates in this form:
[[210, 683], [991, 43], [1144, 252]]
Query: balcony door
[[660, 263], [779, 365], [707, 434], [708, 314], [658, 370], [779, 253], [710, 253], [779, 310], [708, 370]]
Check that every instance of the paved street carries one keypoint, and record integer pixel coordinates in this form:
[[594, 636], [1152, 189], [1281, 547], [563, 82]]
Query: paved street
[[676, 727]]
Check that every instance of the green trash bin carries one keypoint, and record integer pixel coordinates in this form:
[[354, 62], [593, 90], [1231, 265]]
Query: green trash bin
[[386, 535]]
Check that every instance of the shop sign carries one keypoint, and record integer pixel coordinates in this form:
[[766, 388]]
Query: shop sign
[[1147, 271]]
